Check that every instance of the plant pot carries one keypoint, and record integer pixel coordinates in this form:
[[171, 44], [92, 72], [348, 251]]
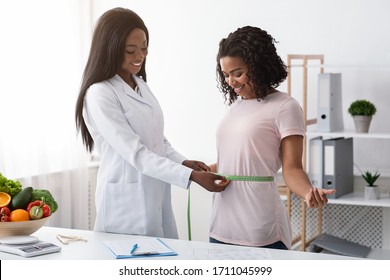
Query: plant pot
[[362, 123], [371, 192]]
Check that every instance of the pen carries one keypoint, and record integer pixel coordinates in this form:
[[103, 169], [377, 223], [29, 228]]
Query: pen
[[135, 246], [145, 253]]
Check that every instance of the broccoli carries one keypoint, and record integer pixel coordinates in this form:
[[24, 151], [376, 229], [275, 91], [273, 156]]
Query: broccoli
[[37, 194], [9, 186]]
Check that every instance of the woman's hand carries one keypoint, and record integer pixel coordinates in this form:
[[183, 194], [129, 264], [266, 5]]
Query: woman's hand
[[202, 175], [209, 181], [196, 165], [316, 198]]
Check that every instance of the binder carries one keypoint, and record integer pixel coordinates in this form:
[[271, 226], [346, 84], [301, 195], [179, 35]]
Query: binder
[[316, 158], [338, 165], [326, 243], [329, 113]]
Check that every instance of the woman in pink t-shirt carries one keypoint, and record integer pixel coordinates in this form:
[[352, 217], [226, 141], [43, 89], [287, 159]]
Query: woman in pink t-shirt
[[262, 132]]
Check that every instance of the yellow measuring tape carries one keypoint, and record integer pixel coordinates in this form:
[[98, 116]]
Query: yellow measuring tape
[[230, 178]]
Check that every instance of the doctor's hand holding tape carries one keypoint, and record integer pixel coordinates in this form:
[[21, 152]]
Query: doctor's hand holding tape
[[119, 116]]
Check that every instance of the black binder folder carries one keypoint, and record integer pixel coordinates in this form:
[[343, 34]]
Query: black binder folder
[[326, 243], [338, 165]]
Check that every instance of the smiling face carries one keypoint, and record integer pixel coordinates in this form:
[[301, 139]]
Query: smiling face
[[235, 72], [136, 50]]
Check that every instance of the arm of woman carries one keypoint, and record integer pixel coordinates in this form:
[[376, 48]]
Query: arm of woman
[[196, 165], [294, 175]]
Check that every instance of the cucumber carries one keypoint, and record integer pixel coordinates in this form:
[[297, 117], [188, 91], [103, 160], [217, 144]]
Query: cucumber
[[22, 198]]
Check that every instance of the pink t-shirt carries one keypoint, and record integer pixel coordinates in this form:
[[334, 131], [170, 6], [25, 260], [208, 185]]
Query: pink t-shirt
[[248, 144]]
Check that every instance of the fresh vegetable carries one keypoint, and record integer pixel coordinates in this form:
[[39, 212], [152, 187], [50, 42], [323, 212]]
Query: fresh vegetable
[[22, 198], [37, 194], [33, 203], [4, 214], [5, 211], [46, 210], [5, 219], [9, 186], [41, 204]]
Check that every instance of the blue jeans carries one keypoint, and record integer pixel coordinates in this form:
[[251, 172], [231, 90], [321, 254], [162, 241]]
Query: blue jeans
[[276, 245]]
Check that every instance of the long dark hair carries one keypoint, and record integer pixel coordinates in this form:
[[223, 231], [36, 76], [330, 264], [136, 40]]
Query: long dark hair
[[106, 57], [256, 48]]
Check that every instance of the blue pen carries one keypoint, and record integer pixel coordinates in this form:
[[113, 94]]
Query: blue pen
[[135, 246]]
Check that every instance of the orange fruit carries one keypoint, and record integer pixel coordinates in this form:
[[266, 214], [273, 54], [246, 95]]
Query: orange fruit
[[5, 199], [19, 215]]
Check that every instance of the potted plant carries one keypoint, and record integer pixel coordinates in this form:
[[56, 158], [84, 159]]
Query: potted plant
[[371, 191], [362, 112]]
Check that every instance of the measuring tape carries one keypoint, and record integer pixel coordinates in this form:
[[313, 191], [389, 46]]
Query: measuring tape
[[230, 178], [248, 178]]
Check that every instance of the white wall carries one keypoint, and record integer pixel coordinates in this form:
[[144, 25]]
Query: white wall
[[352, 34]]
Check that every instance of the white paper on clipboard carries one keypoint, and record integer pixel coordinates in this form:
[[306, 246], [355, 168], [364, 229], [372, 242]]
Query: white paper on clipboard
[[146, 247]]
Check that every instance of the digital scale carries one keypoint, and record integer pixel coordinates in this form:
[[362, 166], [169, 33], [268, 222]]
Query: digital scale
[[27, 246]]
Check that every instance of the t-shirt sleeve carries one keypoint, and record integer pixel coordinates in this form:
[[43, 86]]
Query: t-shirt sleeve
[[290, 119]]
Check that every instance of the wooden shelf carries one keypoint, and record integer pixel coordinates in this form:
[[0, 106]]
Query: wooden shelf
[[304, 59]]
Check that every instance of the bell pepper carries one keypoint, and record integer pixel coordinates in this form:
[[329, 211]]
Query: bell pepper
[[33, 203], [41, 204], [46, 210]]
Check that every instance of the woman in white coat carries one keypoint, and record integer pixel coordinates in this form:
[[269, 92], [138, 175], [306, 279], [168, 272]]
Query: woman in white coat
[[118, 115]]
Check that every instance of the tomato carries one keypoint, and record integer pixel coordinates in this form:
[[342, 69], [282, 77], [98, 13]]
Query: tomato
[[4, 214], [5, 211], [5, 219]]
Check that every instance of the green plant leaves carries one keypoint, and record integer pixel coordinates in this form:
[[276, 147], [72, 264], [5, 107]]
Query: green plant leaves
[[370, 177]]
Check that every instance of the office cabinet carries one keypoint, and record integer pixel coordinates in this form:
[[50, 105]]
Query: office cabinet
[[360, 211]]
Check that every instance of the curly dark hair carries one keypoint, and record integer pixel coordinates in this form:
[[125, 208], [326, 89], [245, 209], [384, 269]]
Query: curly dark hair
[[256, 48]]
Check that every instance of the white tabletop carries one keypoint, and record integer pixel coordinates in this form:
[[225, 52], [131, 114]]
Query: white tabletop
[[93, 249]]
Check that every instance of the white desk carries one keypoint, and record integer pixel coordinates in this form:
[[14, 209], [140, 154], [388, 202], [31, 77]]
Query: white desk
[[93, 249]]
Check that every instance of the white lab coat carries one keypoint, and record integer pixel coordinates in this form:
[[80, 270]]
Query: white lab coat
[[138, 164]]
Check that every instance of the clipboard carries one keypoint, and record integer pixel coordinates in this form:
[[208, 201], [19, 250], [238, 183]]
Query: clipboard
[[146, 247]]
